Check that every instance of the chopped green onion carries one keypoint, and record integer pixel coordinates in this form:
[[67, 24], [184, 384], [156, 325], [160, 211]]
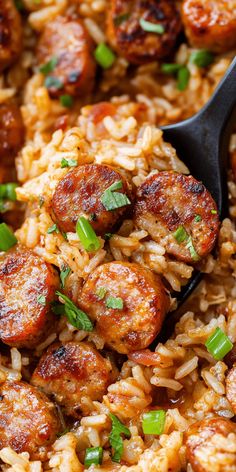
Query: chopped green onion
[[64, 274], [8, 192], [53, 229], [112, 200], [101, 292], [180, 234], [218, 344], [115, 438], [193, 253], [198, 218], [170, 68], [115, 303], [66, 100], [214, 212], [93, 455], [154, 422], [183, 77], [104, 56], [42, 300], [53, 82], [121, 18], [49, 66], [7, 237], [87, 235], [68, 163], [64, 235], [76, 317], [41, 201], [201, 58], [151, 27]]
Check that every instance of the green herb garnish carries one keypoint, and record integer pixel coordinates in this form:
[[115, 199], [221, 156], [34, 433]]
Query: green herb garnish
[[87, 235], [53, 229], [115, 438], [114, 302], [154, 422], [151, 27], [42, 300], [193, 253], [68, 163], [218, 344], [53, 82], [49, 66], [112, 200], [180, 234], [101, 292], [64, 274], [170, 68], [201, 58], [93, 455], [104, 56], [66, 101], [183, 76], [214, 212], [76, 317], [7, 237], [198, 218]]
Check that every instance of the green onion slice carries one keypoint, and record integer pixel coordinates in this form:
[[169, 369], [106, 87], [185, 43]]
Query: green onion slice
[[115, 438], [68, 163], [49, 66], [183, 77], [42, 300], [151, 27], [101, 292], [154, 422], [8, 191], [7, 237], [214, 212], [93, 455], [198, 218], [218, 344], [87, 235], [180, 234], [193, 253], [53, 229], [53, 82], [114, 303], [64, 274], [112, 200], [104, 56], [76, 317], [201, 58], [66, 101], [170, 68]]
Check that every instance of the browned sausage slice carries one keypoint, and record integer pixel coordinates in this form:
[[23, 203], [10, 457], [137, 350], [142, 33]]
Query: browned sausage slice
[[27, 287], [71, 372], [80, 192], [179, 212], [231, 387], [68, 41], [210, 25], [10, 33], [142, 305], [127, 36], [11, 132], [205, 449], [28, 421]]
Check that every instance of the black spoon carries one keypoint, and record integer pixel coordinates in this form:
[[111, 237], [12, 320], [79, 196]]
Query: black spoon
[[202, 142]]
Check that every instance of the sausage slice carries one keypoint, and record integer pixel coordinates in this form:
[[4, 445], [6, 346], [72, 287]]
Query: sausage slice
[[68, 41], [10, 33], [231, 387], [210, 25], [128, 37], [142, 305], [28, 420], [11, 132], [80, 193], [71, 372], [204, 447], [178, 211], [27, 287]]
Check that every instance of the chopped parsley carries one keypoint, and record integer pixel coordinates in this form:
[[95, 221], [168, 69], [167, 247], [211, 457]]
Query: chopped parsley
[[53, 229], [180, 234], [115, 437], [64, 274], [42, 300], [76, 317], [112, 200], [201, 58], [183, 76], [49, 66], [193, 253], [115, 303], [101, 292], [68, 163], [151, 27], [197, 218], [66, 100]]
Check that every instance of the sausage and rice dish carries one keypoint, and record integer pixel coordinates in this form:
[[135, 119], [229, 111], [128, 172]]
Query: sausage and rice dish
[[101, 226]]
